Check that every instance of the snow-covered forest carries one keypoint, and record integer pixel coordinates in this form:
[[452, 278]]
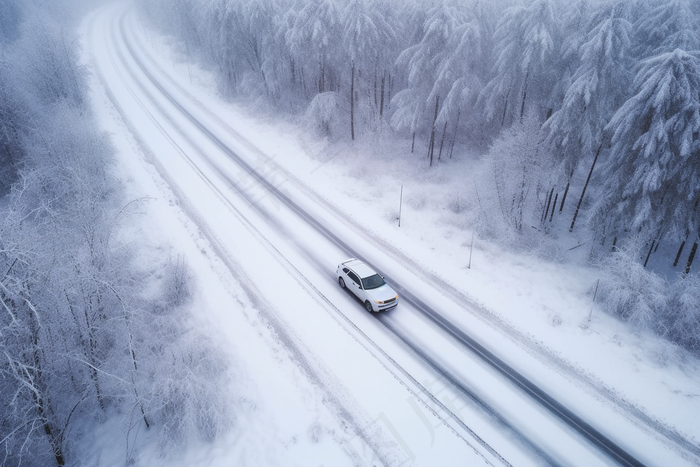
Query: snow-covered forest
[[587, 113], [85, 335]]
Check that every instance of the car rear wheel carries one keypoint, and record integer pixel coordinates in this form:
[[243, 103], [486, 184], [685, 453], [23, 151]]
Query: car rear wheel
[[368, 306], [341, 282]]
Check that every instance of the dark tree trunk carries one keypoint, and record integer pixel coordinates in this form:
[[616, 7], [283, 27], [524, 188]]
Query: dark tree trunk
[[585, 186], [442, 141], [454, 134], [554, 207], [651, 248], [431, 145], [678, 255], [390, 91], [352, 102], [549, 203], [522, 105], [376, 97], [505, 108], [321, 78], [566, 192], [691, 257], [413, 142], [381, 97], [43, 405]]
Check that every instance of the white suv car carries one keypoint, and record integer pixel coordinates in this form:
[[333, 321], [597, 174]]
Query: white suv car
[[367, 285]]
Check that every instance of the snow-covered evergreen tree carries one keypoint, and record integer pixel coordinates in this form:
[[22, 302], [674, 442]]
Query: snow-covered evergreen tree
[[525, 44], [462, 74], [599, 85], [654, 169], [417, 106], [314, 45], [666, 26], [368, 39]]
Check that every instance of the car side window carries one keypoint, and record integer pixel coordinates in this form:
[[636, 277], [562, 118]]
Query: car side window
[[354, 278], [346, 270]]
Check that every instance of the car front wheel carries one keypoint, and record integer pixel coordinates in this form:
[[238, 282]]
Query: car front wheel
[[341, 282], [368, 306]]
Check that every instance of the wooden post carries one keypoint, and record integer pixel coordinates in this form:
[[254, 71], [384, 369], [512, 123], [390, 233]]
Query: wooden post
[[471, 250], [595, 294], [400, 204]]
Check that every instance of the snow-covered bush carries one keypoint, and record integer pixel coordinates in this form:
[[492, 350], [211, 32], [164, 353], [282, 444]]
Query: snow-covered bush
[[177, 282], [682, 313], [325, 115], [511, 191], [641, 297], [631, 291]]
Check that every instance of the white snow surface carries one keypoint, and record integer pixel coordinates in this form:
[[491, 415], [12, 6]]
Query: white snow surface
[[318, 381]]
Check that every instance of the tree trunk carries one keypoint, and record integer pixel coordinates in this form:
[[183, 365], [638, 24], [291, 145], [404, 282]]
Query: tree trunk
[[549, 203], [583, 192], [566, 191], [442, 141], [431, 145], [90, 355], [505, 108], [646, 261], [454, 134], [391, 89], [352, 102], [522, 105], [554, 207], [321, 78], [413, 141], [431, 142], [36, 380], [376, 101], [691, 257], [381, 97], [678, 255]]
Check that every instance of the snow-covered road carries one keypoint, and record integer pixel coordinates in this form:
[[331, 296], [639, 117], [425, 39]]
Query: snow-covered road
[[401, 373]]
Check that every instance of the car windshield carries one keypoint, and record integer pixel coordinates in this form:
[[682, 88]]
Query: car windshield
[[372, 282]]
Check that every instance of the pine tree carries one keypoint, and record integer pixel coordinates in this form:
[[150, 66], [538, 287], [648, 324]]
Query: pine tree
[[655, 170], [599, 86], [525, 44]]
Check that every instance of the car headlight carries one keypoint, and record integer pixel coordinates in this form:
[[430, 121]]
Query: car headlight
[[387, 301]]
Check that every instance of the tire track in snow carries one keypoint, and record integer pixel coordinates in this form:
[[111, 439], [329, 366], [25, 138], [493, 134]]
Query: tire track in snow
[[528, 387], [635, 414], [348, 412], [632, 412]]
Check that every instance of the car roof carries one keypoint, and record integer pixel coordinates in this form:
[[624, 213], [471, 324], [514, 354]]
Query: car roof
[[360, 268]]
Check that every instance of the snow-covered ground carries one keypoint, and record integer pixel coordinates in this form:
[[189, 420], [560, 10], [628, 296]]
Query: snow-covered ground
[[312, 388]]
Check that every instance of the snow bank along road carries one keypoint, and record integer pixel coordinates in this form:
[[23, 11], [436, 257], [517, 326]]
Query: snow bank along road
[[515, 413]]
